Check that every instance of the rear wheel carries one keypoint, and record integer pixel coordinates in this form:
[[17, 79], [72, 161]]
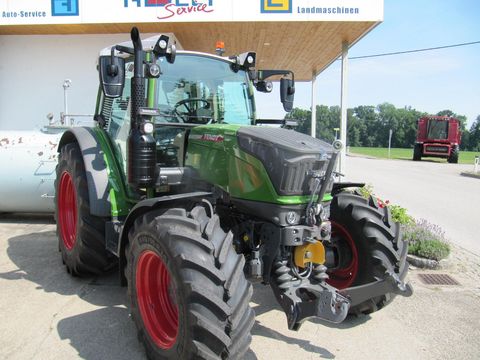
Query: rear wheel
[[188, 294], [81, 238], [366, 243], [417, 152]]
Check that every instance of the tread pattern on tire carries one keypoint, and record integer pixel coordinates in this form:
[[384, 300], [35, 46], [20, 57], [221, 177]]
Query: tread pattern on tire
[[89, 255], [453, 158], [378, 239], [215, 293], [417, 152]]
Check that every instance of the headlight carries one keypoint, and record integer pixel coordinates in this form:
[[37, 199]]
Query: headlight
[[291, 217], [147, 128]]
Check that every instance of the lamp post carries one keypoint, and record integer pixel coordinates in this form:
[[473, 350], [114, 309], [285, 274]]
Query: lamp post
[[66, 85]]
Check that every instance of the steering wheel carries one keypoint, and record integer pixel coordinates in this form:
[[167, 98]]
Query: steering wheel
[[190, 112]]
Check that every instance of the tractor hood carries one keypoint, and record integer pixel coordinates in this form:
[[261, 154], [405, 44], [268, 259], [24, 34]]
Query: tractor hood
[[258, 163], [287, 155]]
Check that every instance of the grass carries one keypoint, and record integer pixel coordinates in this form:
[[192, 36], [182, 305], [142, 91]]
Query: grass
[[466, 157]]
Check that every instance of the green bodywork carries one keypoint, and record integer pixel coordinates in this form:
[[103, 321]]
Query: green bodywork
[[120, 196], [214, 152]]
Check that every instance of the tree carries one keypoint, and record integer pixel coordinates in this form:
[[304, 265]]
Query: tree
[[355, 127], [367, 123], [370, 125], [303, 118], [474, 135], [328, 118], [407, 131]]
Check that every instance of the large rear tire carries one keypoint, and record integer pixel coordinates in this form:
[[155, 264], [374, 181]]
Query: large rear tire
[[188, 294], [367, 243], [81, 236]]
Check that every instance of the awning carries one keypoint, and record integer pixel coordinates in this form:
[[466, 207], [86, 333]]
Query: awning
[[300, 35]]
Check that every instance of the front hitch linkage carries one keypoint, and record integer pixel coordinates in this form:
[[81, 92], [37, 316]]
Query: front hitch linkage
[[302, 299], [324, 302]]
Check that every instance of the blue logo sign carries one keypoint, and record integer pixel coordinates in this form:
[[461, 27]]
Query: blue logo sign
[[65, 7], [276, 6]]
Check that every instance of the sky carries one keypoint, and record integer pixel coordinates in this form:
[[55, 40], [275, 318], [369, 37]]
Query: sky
[[427, 81]]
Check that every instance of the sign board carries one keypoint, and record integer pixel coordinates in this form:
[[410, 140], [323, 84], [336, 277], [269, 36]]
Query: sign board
[[40, 12]]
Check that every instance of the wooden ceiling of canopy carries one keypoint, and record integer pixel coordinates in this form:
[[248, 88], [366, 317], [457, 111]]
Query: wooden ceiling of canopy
[[304, 47]]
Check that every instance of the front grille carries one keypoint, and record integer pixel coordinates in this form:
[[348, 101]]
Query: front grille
[[295, 177], [437, 149]]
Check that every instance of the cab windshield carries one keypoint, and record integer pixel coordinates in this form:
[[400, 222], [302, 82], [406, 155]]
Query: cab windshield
[[437, 129], [202, 90]]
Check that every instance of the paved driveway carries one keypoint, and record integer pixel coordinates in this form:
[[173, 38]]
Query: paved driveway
[[47, 314], [434, 191]]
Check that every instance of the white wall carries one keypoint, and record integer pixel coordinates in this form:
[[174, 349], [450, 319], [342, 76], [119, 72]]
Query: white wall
[[33, 69]]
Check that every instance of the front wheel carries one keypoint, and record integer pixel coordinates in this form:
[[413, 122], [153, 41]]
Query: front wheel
[[453, 158], [188, 294], [417, 152], [367, 243]]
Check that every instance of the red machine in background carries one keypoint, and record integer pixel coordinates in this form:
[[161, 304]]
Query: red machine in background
[[437, 136]]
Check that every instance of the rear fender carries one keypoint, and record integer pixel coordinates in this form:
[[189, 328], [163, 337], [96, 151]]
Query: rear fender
[[95, 168]]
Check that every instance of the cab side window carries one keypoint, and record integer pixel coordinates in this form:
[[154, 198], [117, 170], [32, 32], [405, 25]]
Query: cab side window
[[119, 107]]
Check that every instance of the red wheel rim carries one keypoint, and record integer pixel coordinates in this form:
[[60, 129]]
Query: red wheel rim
[[67, 210], [343, 277], [156, 299]]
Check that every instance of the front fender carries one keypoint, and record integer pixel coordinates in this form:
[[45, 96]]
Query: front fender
[[144, 206], [95, 168]]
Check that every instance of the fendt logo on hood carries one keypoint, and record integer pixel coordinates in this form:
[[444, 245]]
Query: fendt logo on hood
[[212, 138], [171, 8]]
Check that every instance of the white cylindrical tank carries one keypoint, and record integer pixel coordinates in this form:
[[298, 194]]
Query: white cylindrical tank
[[27, 170]]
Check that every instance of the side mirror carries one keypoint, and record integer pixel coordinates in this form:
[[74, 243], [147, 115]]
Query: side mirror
[[112, 75], [287, 93]]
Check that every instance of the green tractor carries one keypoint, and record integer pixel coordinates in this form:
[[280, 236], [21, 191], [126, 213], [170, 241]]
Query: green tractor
[[179, 189]]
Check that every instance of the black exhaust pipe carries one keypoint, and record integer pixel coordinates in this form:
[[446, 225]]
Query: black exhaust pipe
[[141, 147]]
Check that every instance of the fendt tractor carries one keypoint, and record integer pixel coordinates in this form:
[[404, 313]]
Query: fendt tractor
[[177, 187], [437, 136]]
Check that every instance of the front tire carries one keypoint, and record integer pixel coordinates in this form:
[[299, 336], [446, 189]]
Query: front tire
[[188, 294], [367, 243], [81, 236], [453, 158], [417, 152]]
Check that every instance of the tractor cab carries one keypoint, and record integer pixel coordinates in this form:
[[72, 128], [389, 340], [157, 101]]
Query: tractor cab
[[177, 90]]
